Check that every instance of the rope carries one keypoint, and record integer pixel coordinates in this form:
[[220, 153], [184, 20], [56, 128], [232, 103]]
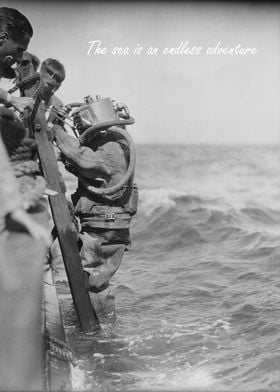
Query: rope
[[25, 150], [31, 184], [32, 190], [27, 83], [59, 349], [55, 114], [25, 168]]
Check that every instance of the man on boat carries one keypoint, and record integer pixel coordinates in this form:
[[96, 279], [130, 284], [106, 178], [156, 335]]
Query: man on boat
[[52, 74], [15, 34], [22, 257]]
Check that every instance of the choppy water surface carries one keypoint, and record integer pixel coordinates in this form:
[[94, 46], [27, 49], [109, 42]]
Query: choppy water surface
[[198, 296]]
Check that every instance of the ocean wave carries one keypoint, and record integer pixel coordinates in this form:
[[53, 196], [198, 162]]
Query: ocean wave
[[163, 199], [167, 231], [222, 218], [171, 219], [261, 215], [197, 295]]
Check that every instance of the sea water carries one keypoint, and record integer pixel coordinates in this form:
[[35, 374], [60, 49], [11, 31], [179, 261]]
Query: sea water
[[198, 295]]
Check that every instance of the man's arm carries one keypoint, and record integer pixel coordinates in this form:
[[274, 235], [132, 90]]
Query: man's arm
[[19, 103], [88, 163]]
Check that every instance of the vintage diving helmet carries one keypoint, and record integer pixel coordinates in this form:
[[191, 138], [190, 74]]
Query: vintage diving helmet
[[98, 114]]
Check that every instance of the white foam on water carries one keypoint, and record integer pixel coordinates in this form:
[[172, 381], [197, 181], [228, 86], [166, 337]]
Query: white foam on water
[[78, 379], [151, 199], [180, 380]]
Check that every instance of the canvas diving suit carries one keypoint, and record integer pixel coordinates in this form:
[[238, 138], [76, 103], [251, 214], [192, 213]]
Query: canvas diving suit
[[104, 221]]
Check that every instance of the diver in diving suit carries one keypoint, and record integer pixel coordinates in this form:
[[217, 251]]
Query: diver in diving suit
[[104, 220]]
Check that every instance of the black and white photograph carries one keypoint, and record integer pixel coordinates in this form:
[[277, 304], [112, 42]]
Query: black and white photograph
[[139, 196]]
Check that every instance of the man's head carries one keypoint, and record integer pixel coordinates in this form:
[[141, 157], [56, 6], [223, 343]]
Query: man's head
[[30, 60], [15, 34], [28, 66], [52, 74]]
